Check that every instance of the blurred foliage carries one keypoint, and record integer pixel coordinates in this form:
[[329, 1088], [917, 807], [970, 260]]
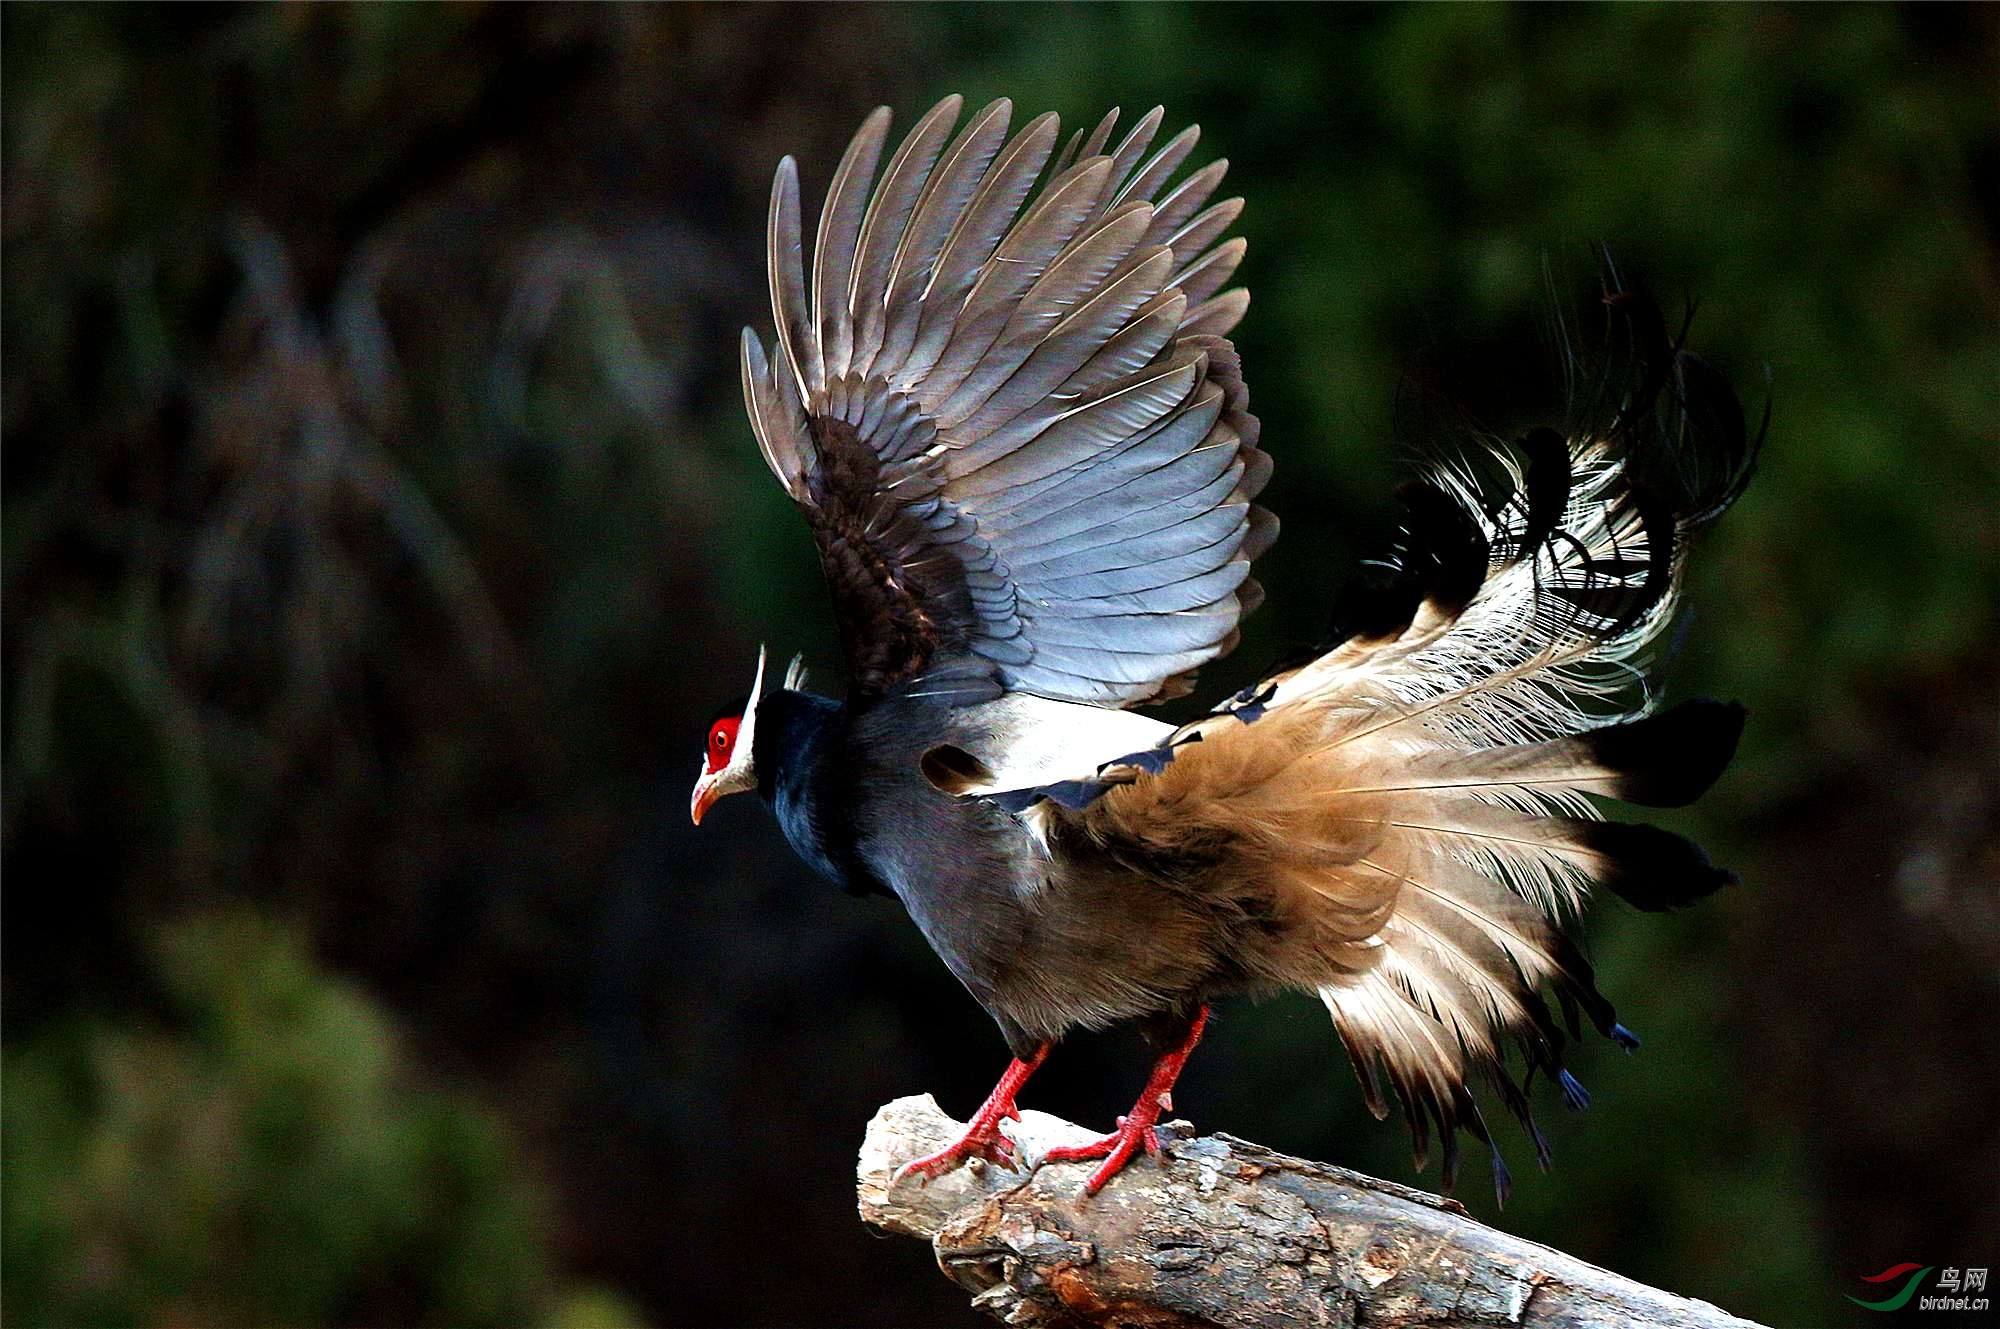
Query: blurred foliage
[[380, 526], [260, 1154]]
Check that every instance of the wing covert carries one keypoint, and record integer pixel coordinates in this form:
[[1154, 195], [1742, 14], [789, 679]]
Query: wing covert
[[1011, 415]]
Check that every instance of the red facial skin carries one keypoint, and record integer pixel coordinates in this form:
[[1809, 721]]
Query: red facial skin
[[722, 742], [720, 748]]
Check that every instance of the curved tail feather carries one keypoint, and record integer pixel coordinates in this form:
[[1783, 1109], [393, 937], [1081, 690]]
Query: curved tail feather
[[1414, 799]]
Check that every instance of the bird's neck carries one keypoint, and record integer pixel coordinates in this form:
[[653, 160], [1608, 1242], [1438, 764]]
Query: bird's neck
[[793, 732], [797, 756]]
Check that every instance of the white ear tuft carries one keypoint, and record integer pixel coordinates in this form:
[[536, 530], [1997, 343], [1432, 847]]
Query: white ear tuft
[[746, 733]]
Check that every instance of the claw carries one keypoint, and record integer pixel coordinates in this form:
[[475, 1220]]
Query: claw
[[983, 1137], [1135, 1130], [1116, 1149], [981, 1140]]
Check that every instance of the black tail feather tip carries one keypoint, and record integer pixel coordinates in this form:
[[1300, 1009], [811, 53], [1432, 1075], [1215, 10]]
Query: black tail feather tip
[[1653, 869], [1670, 759]]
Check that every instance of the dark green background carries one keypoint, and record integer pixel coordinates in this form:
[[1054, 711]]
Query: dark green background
[[381, 528]]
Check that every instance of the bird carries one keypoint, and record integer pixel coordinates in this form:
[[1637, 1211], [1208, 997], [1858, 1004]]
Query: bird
[[1003, 394]]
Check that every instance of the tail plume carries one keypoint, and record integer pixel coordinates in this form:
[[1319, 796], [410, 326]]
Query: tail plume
[[1417, 794]]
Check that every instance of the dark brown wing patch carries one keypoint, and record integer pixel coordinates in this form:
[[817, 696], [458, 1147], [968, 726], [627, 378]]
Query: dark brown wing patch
[[897, 609]]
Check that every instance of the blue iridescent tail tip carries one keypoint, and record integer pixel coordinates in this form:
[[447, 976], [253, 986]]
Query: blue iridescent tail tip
[[1624, 1037], [1503, 1180], [1574, 1093]]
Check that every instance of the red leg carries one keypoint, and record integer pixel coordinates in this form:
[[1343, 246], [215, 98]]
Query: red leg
[[1135, 1129], [982, 1136]]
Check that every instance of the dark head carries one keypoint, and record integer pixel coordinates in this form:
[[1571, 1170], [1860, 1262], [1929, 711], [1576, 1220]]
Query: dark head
[[727, 766]]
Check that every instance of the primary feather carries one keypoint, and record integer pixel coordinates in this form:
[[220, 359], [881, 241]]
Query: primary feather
[[1011, 413]]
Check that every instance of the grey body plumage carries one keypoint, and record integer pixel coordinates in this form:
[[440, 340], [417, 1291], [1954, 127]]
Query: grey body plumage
[[1046, 937]]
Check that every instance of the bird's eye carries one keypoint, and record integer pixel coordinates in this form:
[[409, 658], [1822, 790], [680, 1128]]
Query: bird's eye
[[722, 736]]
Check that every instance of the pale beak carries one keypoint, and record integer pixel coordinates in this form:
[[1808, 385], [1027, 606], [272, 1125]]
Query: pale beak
[[704, 794]]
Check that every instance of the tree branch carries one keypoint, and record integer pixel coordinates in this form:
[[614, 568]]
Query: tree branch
[[1227, 1234]]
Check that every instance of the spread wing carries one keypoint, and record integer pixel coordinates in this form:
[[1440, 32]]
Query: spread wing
[[1012, 416]]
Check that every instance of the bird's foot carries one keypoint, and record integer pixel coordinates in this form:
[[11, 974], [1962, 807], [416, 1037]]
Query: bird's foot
[[1135, 1130], [983, 1137], [1116, 1149]]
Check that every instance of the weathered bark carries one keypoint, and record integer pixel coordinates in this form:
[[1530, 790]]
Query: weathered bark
[[1227, 1234]]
